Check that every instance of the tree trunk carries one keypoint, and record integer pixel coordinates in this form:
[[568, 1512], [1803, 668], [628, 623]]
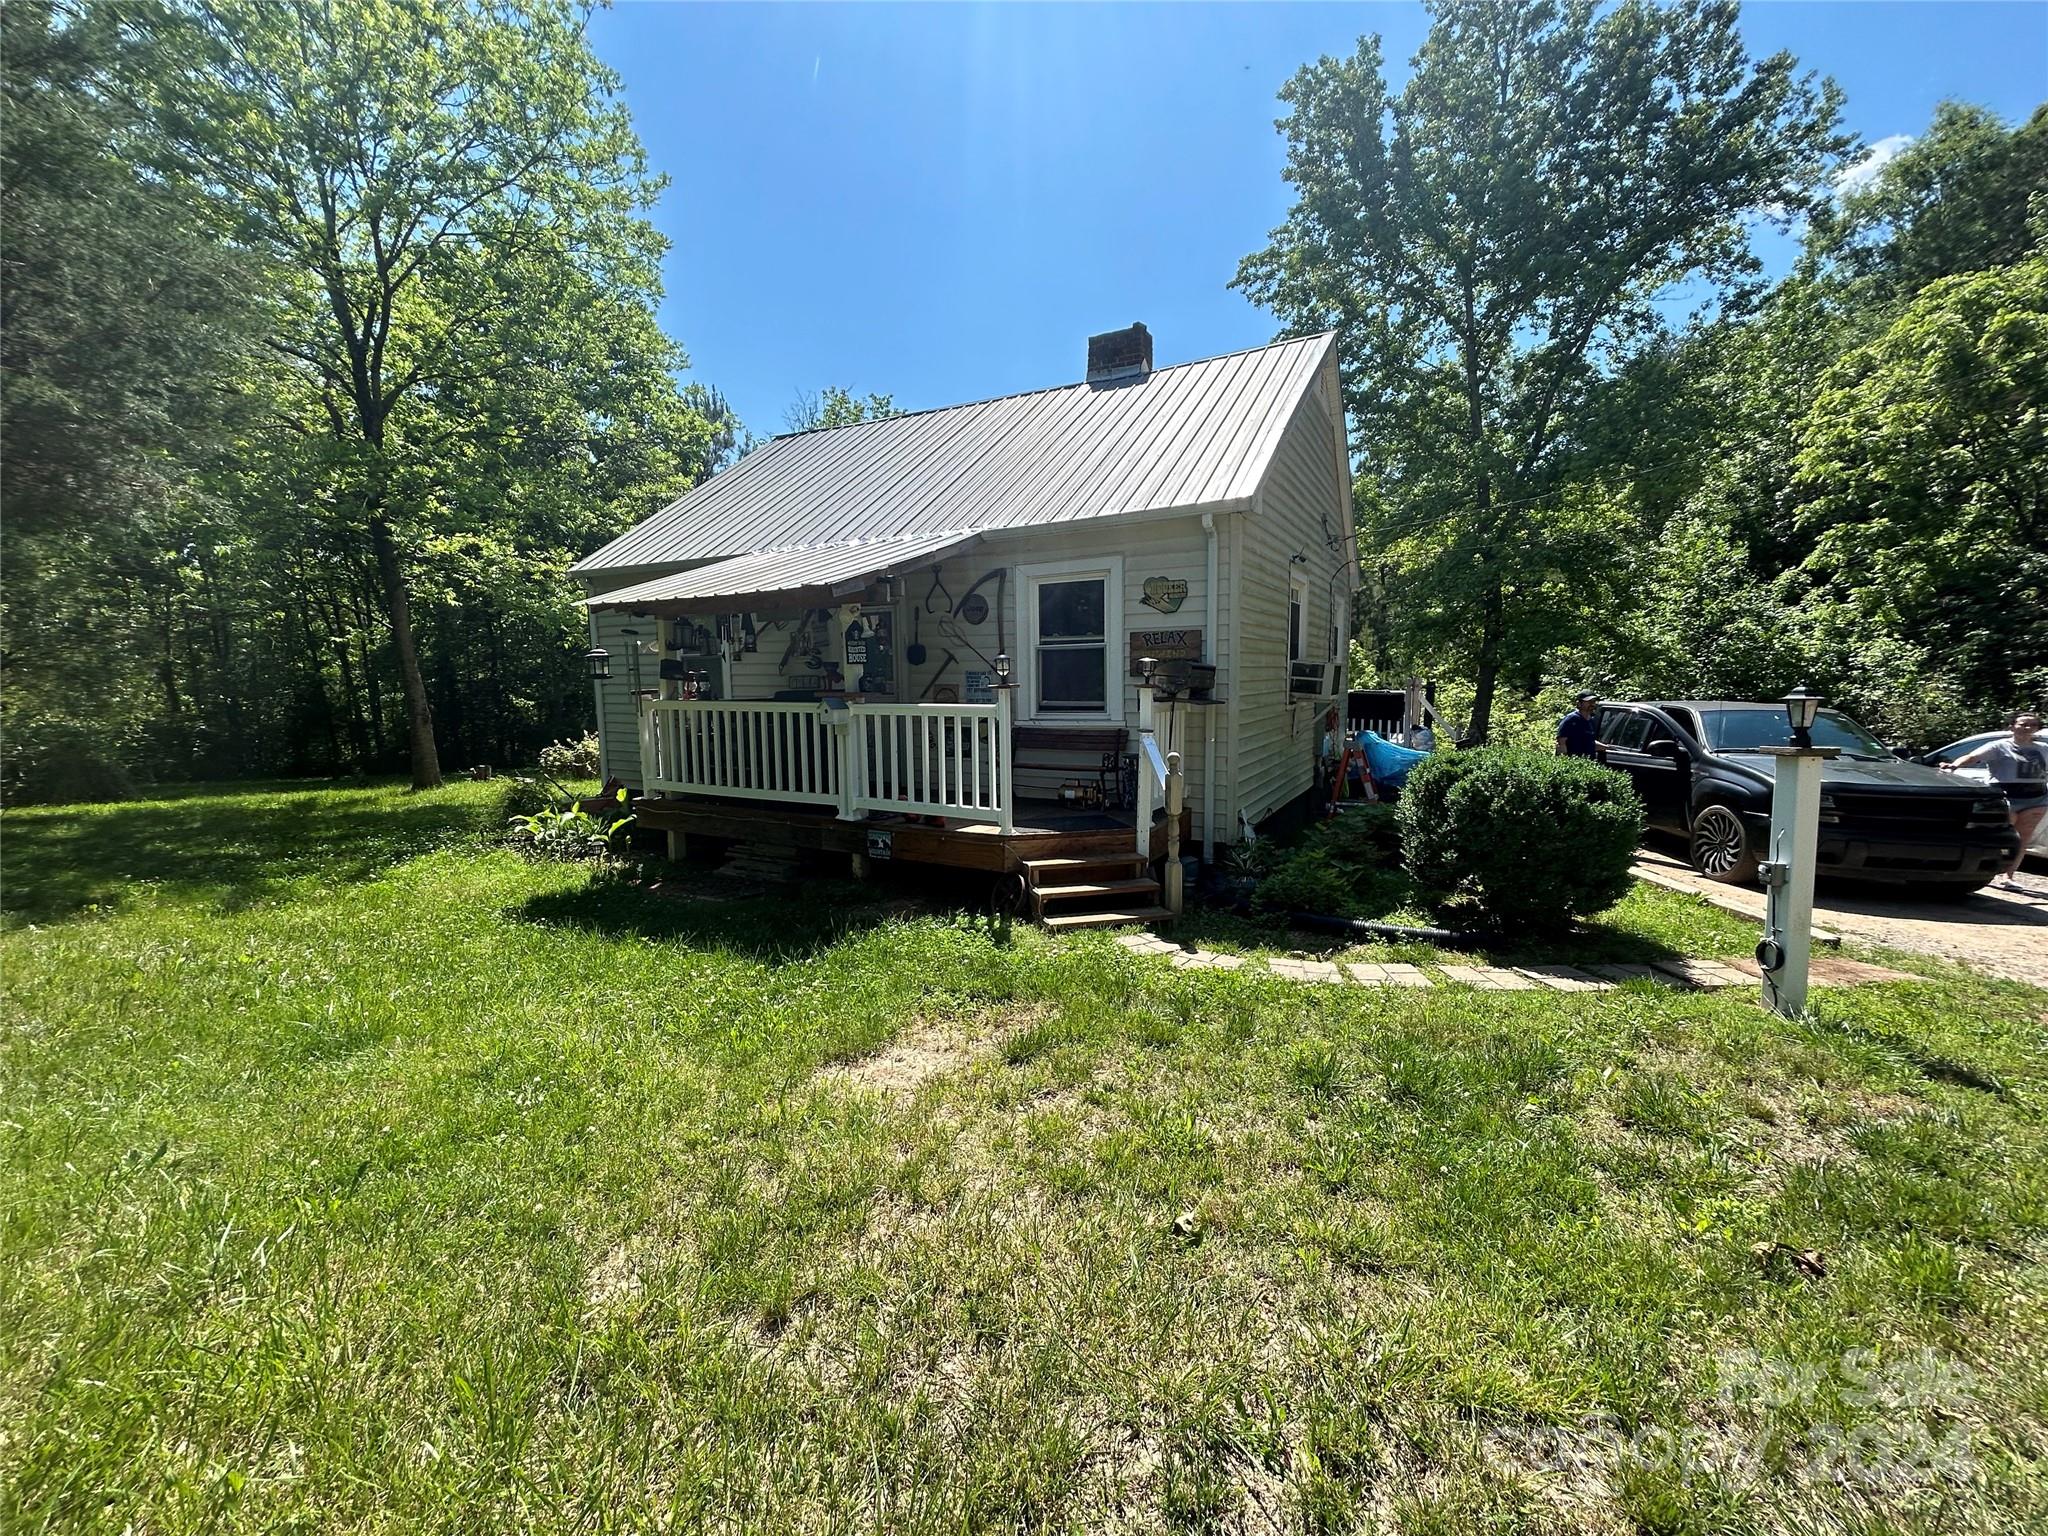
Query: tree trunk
[[1487, 674], [426, 762]]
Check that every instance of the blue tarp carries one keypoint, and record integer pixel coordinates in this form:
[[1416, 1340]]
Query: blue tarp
[[1389, 763]]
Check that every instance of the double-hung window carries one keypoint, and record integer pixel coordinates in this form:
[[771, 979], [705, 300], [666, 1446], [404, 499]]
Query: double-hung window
[[1297, 619], [1073, 613]]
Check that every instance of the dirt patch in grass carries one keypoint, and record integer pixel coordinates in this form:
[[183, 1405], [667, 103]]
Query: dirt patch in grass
[[614, 1283], [931, 1048], [906, 1063]]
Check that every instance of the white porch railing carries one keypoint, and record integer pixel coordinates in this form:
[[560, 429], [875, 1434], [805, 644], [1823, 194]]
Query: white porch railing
[[920, 759], [764, 751], [931, 759]]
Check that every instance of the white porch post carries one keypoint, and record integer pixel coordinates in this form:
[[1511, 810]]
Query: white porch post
[[1147, 715], [1006, 814], [1174, 894], [849, 742]]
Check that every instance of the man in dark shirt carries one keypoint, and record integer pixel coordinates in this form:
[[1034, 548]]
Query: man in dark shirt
[[1578, 733]]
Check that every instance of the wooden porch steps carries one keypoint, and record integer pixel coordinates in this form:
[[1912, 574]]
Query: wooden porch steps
[[1092, 890], [1086, 888], [1082, 864], [1067, 921]]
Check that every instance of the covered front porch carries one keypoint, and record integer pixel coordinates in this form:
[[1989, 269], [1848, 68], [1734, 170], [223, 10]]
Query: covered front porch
[[792, 704], [909, 784]]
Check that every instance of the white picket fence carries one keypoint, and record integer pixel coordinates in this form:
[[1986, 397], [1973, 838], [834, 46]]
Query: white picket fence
[[924, 759]]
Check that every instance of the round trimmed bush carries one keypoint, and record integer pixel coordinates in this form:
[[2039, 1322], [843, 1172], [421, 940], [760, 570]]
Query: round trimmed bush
[[1505, 838]]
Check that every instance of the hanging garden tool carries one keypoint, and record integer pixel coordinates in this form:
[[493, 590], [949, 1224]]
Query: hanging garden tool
[[958, 636], [915, 653], [973, 608], [938, 587], [925, 697]]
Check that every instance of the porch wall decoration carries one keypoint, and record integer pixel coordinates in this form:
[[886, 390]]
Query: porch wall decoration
[[1164, 645], [1164, 593]]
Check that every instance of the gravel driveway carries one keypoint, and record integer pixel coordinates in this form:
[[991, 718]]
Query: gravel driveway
[[2000, 933]]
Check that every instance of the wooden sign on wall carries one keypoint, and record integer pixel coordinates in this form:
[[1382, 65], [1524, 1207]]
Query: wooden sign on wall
[[1166, 593], [1165, 645]]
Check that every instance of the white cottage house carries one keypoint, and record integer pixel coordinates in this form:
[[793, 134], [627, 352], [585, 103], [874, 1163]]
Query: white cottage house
[[920, 638]]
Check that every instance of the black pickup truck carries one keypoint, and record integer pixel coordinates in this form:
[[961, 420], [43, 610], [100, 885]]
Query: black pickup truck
[[1698, 767]]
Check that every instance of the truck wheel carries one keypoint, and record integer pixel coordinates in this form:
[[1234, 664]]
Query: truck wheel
[[1720, 846]]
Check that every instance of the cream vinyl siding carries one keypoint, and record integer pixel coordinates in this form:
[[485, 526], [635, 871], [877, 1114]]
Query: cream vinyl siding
[[618, 726], [1304, 507], [1169, 547]]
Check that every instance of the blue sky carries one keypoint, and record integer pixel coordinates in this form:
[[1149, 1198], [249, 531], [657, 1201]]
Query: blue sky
[[942, 202]]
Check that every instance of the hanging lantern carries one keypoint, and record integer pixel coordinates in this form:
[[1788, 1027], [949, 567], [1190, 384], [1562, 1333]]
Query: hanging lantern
[[599, 663]]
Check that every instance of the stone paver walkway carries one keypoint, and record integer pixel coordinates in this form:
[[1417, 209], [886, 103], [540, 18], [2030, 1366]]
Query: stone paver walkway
[[1305, 970], [1704, 973], [1205, 960], [1368, 973], [1620, 973], [2001, 933], [1488, 978], [1828, 971], [1565, 978]]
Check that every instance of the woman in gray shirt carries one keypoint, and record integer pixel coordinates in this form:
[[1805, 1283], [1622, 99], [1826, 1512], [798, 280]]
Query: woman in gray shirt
[[2019, 766]]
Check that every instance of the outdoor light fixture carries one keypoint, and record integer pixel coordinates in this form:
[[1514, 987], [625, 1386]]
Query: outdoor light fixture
[[599, 661], [1003, 668], [887, 587], [1801, 706], [1147, 666]]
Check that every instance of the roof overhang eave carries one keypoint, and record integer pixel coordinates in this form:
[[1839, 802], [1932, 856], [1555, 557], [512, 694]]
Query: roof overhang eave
[[758, 597]]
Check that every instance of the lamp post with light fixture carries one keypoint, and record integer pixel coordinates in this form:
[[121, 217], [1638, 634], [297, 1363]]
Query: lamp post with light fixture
[[1785, 951], [1006, 714]]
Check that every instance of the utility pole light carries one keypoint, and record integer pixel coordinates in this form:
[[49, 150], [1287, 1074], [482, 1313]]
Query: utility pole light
[[1786, 949]]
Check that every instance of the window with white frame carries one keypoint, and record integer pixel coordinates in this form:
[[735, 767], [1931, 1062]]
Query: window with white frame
[[1072, 612], [1297, 618]]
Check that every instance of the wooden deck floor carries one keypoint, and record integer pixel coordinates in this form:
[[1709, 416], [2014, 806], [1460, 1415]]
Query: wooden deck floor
[[1044, 830]]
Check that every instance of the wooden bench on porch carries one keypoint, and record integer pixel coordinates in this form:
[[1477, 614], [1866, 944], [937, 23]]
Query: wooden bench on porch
[[1047, 748]]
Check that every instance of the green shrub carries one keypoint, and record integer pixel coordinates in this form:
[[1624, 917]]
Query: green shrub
[[1506, 838], [1367, 832], [49, 762], [575, 759], [1348, 866], [1308, 880], [571, 832]]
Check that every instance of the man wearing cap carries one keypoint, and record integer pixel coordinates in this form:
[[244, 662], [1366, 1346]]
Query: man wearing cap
[[1578, 733]]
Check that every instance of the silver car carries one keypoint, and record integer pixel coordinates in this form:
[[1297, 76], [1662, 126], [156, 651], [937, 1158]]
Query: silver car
[[2037, 846]]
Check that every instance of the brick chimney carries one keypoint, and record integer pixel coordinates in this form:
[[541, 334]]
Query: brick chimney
[[1125, 354]]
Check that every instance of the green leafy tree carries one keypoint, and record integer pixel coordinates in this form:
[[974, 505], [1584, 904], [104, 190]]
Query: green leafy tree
[[122, 314], [1968, 194], [1922, 477], [1493, 244], [452, 203], [836, 407], [729, 438]]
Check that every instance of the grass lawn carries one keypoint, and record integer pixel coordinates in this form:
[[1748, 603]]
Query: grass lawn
[[358, 1175]]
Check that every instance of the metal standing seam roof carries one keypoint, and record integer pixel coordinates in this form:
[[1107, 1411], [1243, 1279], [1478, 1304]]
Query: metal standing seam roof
[[814, 569], [1190, 435]]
